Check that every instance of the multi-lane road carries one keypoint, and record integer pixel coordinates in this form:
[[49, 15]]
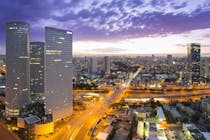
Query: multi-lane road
[[78, 126]]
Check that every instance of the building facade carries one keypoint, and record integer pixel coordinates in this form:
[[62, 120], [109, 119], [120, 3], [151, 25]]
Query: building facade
[[58, 73], [18, 71], [194, 61], [36, 70]]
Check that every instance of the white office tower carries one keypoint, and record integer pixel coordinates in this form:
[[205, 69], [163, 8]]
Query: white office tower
[[93, 65], [58, 73]]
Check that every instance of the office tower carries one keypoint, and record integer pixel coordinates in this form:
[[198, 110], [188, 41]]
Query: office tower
[[194, 62], [107, 64], [58, 73], [2, 81], [18, 71], [169, 59], [93, 65], [36, 70], [2, 60], [153, 57], [86, 63], [206, 68]]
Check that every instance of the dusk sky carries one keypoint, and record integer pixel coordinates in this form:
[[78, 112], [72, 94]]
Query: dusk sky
[[115, 26]]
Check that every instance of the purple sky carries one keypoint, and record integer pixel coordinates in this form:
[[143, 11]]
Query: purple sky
[[100, 22]]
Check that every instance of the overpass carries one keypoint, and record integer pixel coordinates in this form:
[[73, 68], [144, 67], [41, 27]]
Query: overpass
[[166, 96]]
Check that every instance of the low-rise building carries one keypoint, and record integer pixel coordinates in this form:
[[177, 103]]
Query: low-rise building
[[160, 114], [175, 114], [192, 132], [205, 105], [34, 126], [186, 109]]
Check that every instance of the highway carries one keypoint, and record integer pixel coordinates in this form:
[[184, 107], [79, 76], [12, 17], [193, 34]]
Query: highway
[[169, 95], [97, 112]]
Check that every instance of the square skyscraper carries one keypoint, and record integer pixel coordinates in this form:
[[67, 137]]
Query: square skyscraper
[[58, 73], [194, 58]]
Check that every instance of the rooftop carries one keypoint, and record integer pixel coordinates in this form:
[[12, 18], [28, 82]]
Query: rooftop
[[32, 119]]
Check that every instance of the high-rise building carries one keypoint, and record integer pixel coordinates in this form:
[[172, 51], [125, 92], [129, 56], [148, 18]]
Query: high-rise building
[[153, 57], [107, 64], [86, 63], [36, 70], [58, 73], [2, 60], [206, 68], [18, 71], [194, 62], [93, 65], [169, 59]]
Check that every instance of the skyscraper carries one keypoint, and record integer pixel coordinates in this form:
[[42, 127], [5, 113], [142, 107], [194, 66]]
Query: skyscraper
[[18, 71], [58, 73], [93, 65], [206, 68], [107, 64], [169, 59], [36, 70], [2, 60], [194, 62]]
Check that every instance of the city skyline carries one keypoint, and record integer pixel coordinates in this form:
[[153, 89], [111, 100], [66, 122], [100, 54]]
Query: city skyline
[[143, 25], [105, 69]]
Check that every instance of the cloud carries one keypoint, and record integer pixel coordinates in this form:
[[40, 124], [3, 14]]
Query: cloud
[[181, 45], [107, 20], [107, 50], [111, 16], [168, 44], [206, 46], [185, 45]]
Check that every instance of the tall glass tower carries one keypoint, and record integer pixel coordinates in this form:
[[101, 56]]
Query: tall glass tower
[[194, 62], [58, 73], [37, 71], [18, 71]]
